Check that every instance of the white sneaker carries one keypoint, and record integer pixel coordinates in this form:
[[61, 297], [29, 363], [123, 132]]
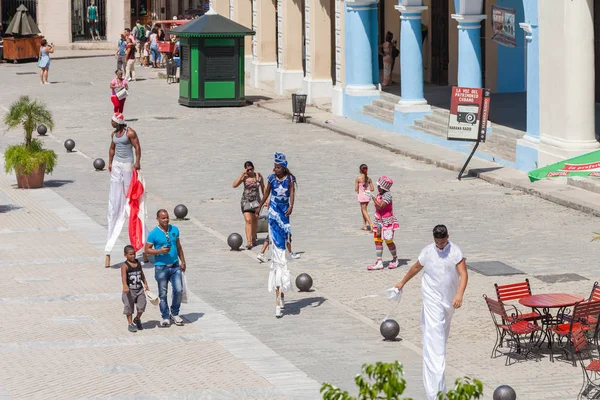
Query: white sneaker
[[294, 256], [177, 320], [282, 303], [166, 322], [261, 257], [128, 79], [278, 311], [376, 266]]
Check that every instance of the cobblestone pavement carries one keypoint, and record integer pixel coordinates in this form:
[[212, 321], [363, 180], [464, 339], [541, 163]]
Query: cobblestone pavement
[[192, 156]]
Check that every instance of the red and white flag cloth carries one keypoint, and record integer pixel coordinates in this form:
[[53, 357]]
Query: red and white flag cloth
[[135, 208]]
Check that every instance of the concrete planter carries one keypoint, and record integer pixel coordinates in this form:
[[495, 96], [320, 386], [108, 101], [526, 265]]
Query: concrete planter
[[34, 180]]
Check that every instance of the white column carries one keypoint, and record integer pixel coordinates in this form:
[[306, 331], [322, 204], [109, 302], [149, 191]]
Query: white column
[[240, 11], [264, 46], [54, 20], [567, 101], [317, 31], [289, 74], [337, 99]]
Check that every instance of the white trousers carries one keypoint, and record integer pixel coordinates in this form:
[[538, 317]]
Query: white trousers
[[120, 178], [279, 274], [435, 322]]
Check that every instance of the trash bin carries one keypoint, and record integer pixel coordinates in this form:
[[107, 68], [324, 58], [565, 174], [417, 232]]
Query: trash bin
[[298, 107], [171, 70]]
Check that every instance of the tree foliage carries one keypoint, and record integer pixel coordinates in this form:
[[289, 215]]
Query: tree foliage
[[28, 114], [26, 157], [384, 381]]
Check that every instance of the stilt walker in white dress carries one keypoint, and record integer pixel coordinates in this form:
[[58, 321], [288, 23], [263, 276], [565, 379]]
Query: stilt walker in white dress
[[120, 165], [281, 190], [444, 282]]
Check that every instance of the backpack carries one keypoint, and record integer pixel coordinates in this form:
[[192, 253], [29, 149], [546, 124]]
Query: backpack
[[141, 33]]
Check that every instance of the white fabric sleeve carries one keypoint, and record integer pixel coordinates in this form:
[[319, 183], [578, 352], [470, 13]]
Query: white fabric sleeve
[[423, 256], [457, 254]]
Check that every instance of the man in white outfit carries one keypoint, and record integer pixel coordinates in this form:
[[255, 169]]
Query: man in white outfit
[[121, 163], [444, 282]]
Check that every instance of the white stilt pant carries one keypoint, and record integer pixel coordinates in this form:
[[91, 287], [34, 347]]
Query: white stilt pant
[[120, 177]]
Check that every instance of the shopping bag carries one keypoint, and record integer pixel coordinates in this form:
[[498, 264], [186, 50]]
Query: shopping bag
[[263, 224], [184, 291], [152, 298]]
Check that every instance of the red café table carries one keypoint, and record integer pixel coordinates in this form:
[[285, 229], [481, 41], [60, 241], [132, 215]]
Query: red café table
[[542, 303]]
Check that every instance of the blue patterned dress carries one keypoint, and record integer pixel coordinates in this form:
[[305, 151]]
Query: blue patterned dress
[[279, 231], [279, 223]]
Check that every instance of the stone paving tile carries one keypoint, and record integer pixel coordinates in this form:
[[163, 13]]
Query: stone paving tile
[[130, 370], [205, 149]]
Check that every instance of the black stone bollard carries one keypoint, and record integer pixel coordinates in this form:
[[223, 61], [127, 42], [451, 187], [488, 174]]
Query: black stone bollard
[[180, 211], [235, 241], [41, 130], [69, 145], [99, 164], [504, 392], [304, 282], [389, 329]]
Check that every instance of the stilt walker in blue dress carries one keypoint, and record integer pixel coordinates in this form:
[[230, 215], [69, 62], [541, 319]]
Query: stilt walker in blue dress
[[280, 189]]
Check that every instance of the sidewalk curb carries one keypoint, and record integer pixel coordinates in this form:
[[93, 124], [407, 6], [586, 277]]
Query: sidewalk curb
[[491, 177], [81, 56]]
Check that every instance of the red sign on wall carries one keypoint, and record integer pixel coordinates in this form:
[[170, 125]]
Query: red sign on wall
[[469, 110]]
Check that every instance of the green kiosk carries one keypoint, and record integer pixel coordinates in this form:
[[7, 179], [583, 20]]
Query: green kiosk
[[212, 61]]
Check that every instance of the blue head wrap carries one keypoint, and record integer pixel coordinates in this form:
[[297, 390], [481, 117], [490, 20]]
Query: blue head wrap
[[281, 160]]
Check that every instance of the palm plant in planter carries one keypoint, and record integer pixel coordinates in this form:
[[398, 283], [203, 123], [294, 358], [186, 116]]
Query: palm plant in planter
[[29, 160]]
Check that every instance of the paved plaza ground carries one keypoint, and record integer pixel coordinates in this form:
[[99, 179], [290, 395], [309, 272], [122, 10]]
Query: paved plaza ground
[[63, 334]]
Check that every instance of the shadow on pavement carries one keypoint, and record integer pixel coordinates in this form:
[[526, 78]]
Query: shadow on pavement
[[401, 262], [294, 308], [151, 324], [192, 317], [53, 183], [8, 208]]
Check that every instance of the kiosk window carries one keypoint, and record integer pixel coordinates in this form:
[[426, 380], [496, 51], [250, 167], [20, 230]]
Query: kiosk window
[[185, 62], [220, 63]]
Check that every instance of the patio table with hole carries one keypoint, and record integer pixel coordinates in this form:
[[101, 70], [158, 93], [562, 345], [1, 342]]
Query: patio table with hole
[[543, 303]]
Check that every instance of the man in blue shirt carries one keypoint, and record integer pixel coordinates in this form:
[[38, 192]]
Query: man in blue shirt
[[163, 243], [121, 47]]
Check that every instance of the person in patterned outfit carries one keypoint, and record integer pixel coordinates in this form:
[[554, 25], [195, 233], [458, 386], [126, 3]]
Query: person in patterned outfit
[[281, 190], [385, 223]]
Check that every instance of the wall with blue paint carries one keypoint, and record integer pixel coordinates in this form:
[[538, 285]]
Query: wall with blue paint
[[511, 61]]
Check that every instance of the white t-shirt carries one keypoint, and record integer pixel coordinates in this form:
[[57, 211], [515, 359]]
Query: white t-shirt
[[440, 276]]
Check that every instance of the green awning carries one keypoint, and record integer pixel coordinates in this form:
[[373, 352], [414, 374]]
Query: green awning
[[584, 165], [211, 24], [22, 24]]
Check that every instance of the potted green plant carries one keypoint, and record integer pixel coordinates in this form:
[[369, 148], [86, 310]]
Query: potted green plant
[[29, 160]]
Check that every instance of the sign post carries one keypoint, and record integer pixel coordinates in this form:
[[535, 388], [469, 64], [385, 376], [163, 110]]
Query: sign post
[[469, 111]]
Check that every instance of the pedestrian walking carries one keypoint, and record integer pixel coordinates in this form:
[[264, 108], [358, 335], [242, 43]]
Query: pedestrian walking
[[120, 53], [254, 190], [44, 60], [385, 223], [116, 86], [163, 242], [281, 190], [121, 163], [154, 54], [363, 186], [261, 255], [130, 58], [134, 295], [139, 33], [146, 59], [443, 286]]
